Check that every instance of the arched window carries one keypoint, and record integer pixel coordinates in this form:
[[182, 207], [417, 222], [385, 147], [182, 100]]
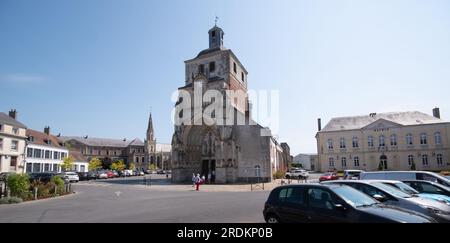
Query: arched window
[[257, 171], [393, 140], [410, 159], [382, 141], [356, 161], [438, 138], [409, 139], [423, 139], [439, 159]]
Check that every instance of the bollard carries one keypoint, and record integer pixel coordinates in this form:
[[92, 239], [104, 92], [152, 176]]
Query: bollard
[[35, 193]]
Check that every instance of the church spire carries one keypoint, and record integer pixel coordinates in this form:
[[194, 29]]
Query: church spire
[[150, 128]]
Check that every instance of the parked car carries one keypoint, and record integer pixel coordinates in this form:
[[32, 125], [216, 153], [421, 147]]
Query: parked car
[[329, 176], [160, 172], [297, 174], [406, 175], [127, 173], [87, 176], [326, 203], [110, 174], [429, 187], [391, 196], [352, 174], [102, 174], [116, 174], [413, 192], [43, 177], [71, 176]]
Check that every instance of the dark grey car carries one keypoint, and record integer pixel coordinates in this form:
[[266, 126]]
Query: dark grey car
[[390, 195]]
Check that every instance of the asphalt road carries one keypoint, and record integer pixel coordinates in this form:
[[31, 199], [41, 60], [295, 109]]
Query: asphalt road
[[123, 200]]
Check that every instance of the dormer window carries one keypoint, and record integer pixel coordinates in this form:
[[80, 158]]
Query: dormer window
[[48, 141], [213, 34], [234, 67], [31, 138], [15, 130], [201, 68]]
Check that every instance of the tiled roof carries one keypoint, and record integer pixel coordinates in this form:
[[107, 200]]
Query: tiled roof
[[104, 142], [5, 119], [358, 122], [40, 138]]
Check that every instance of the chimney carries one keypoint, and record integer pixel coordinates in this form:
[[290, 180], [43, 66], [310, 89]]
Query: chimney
[[319, 124], [13, 114], [437, 113], [47, 130]]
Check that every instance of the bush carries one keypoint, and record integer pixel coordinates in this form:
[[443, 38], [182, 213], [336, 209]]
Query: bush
[[10, 200], [278, 175], [19, 185], [59, 183]]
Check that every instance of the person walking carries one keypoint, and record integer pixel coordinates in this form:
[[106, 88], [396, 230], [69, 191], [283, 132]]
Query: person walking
[[194, 179], [198, 181]]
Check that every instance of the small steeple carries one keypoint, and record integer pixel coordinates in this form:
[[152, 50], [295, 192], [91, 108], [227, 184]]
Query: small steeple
[[150, 128], [216, 36]]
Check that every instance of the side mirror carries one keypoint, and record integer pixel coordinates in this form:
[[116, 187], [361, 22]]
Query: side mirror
[[339, 207], [379, 198]]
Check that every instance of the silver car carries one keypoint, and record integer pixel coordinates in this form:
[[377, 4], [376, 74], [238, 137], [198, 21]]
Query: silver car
[[392, 196]]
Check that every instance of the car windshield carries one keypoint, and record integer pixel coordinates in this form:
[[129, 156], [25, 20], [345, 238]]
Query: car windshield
[[392, 190], [328, 174], [353, 196], [406, 189]]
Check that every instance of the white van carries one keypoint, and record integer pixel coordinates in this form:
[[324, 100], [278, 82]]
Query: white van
[[405, 175]]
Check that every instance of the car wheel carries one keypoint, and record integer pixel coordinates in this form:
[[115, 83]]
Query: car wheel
[[288, 177], [272, 219]]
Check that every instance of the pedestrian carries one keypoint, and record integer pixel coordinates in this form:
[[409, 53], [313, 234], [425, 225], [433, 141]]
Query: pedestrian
[[198, 181], [213, 176], [194, 179], [209, 178]]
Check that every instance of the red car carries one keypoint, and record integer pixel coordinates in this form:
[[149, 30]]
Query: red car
[[329, 176], [110, 174]]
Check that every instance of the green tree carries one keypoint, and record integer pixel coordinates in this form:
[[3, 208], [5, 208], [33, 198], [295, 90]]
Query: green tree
[[95, 164], [19, 185], [118, 165], [67, 163], [152, 167], [131, 166]]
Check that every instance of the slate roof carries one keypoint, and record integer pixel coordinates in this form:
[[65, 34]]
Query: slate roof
[[5, 119], [104, 142], [358, 122]]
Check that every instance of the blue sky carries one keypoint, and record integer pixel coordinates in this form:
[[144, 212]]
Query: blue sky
[[95, 67]]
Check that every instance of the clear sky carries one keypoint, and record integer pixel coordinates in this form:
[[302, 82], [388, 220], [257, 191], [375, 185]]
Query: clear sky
[[95, 67]]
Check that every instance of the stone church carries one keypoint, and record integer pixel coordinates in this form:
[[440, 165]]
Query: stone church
[[222, 152]]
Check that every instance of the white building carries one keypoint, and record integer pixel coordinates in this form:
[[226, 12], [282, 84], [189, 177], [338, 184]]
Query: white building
[[307, 161], [45, 152], [12, 143]]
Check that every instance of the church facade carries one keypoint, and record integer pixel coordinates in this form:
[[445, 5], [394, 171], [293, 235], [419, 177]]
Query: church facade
[[225, 145]]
